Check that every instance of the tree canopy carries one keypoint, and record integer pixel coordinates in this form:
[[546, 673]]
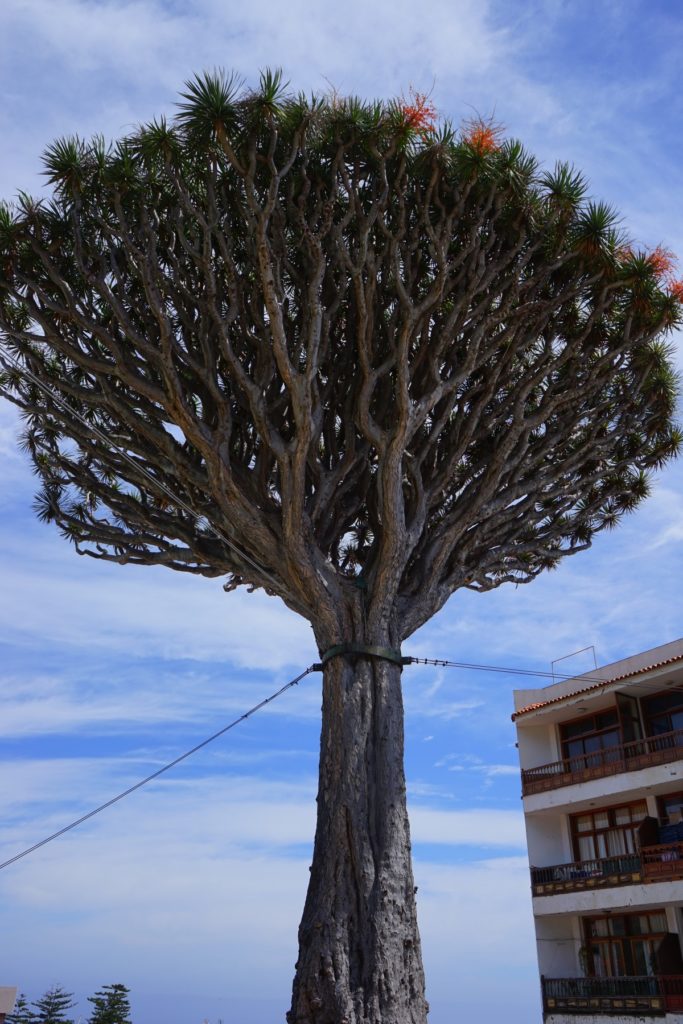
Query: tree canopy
[[354, 341], [22, 1012], [53, 1005], [111, 1005]]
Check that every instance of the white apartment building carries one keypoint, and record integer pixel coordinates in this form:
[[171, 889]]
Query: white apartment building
[[7, 999], [602, 784]]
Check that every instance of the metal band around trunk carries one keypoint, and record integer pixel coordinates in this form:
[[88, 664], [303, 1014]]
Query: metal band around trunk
[[386, 653]]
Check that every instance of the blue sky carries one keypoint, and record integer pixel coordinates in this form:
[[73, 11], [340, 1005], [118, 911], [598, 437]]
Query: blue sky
[[190, 891]]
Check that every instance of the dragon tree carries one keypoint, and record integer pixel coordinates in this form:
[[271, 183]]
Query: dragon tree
[[358, 358]]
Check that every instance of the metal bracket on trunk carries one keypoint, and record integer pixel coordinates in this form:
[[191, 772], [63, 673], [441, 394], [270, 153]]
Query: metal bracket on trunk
[[387, 653]]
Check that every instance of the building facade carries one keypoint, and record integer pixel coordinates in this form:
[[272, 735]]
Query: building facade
[[602, 786], [7, 999]]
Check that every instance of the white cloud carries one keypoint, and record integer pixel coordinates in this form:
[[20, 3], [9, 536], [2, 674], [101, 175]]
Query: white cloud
[[180, 871], [446, 710], [493, 770], [134, 57], [500, 882], [128, 700], [133, 888], [49, 592], [467, 827], [89, 38], [209, 876], [418, 790], [477, 936], [666, 512], [138, 39], [228, 813]]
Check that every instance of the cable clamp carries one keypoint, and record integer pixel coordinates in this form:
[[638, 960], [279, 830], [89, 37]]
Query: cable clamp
[[369, 650]]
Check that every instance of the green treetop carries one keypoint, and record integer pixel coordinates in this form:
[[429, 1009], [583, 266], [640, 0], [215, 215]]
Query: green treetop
[[110, 1005]]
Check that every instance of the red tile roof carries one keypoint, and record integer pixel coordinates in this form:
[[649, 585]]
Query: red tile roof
[[596, 686]]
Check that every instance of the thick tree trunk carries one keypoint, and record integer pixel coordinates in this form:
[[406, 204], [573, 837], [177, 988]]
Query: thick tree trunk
[[359, 948]]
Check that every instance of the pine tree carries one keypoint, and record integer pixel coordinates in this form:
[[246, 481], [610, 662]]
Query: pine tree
[[22, 1013], [110, 1005], [52, 1007]]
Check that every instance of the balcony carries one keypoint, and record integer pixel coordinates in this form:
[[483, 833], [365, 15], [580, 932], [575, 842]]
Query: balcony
[[586, 874], [651, 996], [628, 757], [662, 863]]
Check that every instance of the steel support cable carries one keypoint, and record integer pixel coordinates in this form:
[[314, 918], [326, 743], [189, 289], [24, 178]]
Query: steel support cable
[[160, 771], [139, 469], [315, 667], [508, 670]]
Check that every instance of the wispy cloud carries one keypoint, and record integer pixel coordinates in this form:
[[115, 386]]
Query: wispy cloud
[[138, 697], [136, 56], [467, 827], [666, 513], [186, 865], [475, 765], [237, 811], [49, 592]]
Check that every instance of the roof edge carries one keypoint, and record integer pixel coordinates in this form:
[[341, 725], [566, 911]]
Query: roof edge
[[536, 706]]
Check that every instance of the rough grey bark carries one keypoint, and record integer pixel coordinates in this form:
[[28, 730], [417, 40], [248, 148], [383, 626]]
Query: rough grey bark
[[308, 345], [360, 959]]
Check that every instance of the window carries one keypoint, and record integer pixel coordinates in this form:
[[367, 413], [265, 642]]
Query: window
[[625, 944], [671, 808], [584, 741], [664, 712], [609, 832]]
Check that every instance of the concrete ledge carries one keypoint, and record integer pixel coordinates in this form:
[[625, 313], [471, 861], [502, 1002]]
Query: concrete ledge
[[622, 897], [566, 798]]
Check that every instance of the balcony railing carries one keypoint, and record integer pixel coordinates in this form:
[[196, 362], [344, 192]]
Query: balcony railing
[[647, 995], [653, 864], [586, 874], [662, 863], [628, 757]]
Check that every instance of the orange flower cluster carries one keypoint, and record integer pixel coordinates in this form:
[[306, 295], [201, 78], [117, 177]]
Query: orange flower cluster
[[662, 261], [420, 114], [482, 136]]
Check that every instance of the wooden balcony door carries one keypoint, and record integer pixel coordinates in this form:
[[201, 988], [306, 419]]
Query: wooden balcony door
[[628, 945], [607, 832]]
